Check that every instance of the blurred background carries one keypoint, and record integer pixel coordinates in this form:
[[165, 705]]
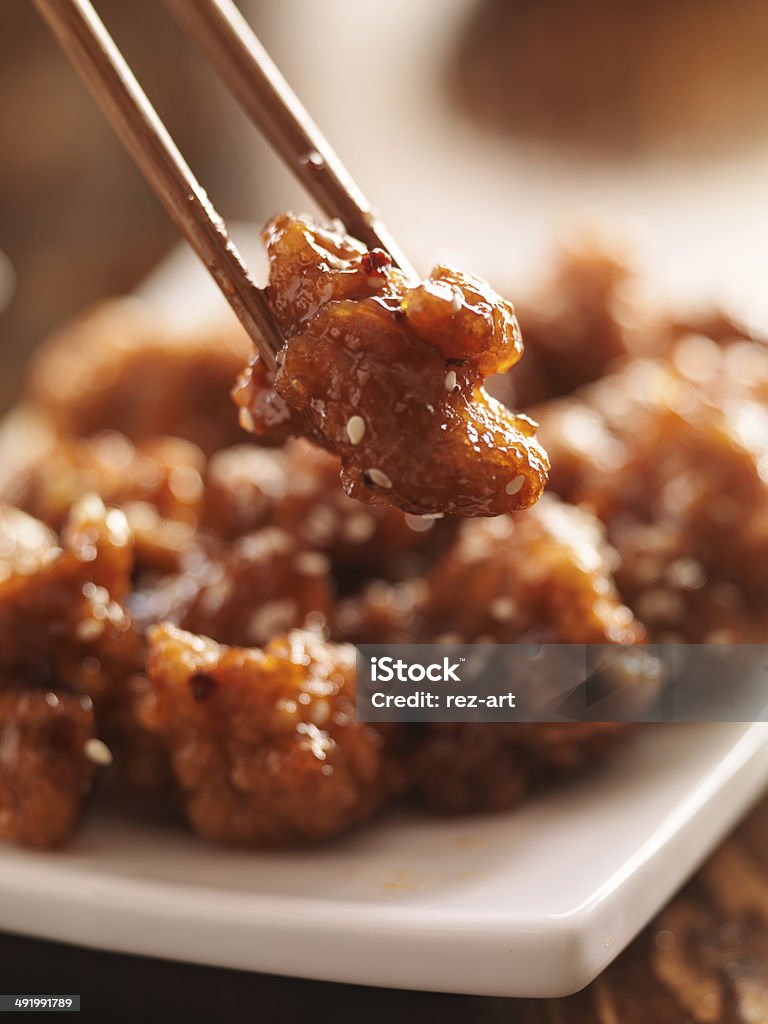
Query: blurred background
[[481, 129]]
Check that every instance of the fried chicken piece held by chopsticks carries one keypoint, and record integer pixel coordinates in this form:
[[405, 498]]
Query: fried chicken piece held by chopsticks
[[389, 376]]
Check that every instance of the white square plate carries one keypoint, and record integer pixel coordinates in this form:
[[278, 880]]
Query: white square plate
[[534, 902]]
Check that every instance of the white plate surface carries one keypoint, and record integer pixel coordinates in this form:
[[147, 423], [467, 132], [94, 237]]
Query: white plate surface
[[534, 902]]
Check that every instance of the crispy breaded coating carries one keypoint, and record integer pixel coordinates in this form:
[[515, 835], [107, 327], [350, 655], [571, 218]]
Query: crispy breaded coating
[[382, 613], [582, 319], [260, 585], [158, 485], [369, 361], [297, 489], [47, 765], [63, 622], [672, 456], [490, 767], [264, 744], [116, 369], [542, 576], [243, 487]]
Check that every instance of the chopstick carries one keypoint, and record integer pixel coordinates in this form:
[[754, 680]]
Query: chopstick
[[247, 70], [105, 72]]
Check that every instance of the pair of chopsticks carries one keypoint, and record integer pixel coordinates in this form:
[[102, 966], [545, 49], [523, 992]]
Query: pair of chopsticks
[[247, 70]]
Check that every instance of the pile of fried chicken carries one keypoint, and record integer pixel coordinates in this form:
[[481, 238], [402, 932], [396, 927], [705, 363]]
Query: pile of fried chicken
[[182, 578]]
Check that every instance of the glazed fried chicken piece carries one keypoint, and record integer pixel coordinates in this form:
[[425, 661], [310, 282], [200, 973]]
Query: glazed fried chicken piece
[[243, 487], [48, 760], [577, 326], [589, 313], [672, 456], [244, 593], [165, 472], [115, 368], [390, 376], [158, 484], [545, 575], [461, 767], [63, 621], [297, 490], [542, 576], [264, 743], [382, 612], [64, 624]]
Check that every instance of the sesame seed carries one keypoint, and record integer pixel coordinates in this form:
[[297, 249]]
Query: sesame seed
[[450, 380], [359, 528], [89, 508], [315, 621], [380, 478], [117, 523], [186, 484], [515, 485], [98, 752], [97, 595], [86, 552], [89, 629], [246, 420], [355, 429], [287, 707], [312, 563], [272, 618], [320, 525], [686, 573], [266, 543], [317, 742], [320, 712], [419, 524], [458, 299], [502, 609]]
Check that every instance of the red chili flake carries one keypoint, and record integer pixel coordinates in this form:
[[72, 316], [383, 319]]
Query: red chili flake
[[375, 261], [202, 685]]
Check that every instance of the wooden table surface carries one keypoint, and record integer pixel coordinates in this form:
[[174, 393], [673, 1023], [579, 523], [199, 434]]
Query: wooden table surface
[[703, 960]]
